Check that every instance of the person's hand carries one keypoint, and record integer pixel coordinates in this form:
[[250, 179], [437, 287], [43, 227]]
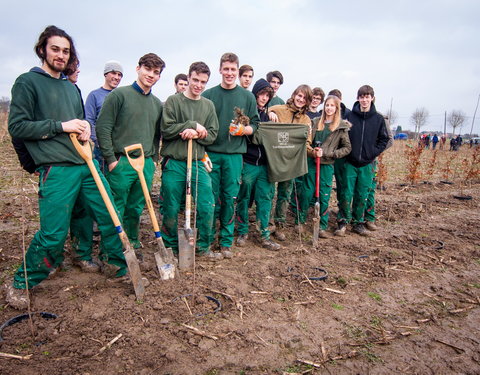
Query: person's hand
[[318, 152], [236, 129], [85, 135], [201, 131], [273, 116], [207, 162], [112, 165], [188, 134], [76, 126]]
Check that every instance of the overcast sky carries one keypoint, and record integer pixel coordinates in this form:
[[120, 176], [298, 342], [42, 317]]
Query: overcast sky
[[420, 53]]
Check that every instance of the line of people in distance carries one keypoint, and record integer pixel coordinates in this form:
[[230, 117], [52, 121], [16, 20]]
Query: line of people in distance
[[46, 107]]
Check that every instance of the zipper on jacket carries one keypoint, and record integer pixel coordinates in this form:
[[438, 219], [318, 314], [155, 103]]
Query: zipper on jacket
[[361, 143]]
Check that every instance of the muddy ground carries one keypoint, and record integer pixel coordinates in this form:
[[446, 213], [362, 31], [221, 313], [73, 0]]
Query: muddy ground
[[403, 301]]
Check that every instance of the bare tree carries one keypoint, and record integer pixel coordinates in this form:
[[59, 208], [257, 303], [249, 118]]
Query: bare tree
[[391, 117], [4, 104], [419, 118], [456, 118]]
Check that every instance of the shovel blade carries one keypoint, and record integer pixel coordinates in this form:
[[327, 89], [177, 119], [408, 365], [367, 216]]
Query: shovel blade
[[135, 273], [186, 248], [316, 224], [166, 270]]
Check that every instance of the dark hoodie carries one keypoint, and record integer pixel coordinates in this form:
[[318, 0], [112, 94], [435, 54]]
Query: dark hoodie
[[255, 154], [368, 135]]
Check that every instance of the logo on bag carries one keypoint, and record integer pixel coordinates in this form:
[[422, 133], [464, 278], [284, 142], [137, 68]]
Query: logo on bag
[[283, 138]]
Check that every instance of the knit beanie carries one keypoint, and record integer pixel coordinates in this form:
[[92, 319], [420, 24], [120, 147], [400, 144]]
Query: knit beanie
[[112, 66]]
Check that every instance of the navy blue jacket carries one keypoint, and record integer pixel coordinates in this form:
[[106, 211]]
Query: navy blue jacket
[[368, 135]]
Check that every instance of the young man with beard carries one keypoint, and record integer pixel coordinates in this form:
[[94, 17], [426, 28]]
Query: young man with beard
[[226, 152], [255, 178], [369, 138], [45, 108], [188, 116], [131, 115]]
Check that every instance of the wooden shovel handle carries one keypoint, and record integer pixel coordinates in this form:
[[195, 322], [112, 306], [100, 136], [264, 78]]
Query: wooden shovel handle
[[85, 152], [136, 163]]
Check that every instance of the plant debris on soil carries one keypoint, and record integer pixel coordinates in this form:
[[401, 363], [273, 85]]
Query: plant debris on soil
[[403, 301]]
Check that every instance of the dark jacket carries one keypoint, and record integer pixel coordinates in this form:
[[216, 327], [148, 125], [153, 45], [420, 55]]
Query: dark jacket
[[368, 135], [256, 154], [345, 111]]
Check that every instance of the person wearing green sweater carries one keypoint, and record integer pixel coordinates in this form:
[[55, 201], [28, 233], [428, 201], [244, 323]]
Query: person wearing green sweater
[[188, 116], [275, 79], [45, 108], [226, 152], [131, 115]]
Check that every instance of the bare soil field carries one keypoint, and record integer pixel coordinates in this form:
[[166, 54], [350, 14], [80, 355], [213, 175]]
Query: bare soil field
[[405, 300]]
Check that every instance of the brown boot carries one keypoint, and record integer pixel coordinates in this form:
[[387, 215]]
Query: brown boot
[[371, 226], [241, 240], [17, 298], [270, 245]]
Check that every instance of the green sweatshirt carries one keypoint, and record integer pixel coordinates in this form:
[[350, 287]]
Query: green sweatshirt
[[180, 113], [128, 117], [225, 102], [40, 103]]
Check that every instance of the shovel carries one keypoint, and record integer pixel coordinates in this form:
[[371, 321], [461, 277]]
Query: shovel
[[316, 218], [187, 235], [132, 262], [164, 257]]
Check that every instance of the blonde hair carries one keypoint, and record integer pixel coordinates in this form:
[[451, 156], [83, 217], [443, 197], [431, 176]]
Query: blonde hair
[[337, 117]]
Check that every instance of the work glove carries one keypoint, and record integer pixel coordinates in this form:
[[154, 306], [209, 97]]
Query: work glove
[[236, 129], [207, 162]]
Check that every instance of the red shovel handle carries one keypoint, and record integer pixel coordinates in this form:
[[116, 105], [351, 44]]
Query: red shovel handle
[[317, 178]]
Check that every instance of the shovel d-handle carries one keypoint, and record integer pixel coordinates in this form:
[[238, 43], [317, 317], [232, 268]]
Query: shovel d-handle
[[137, 163], [132, 262]]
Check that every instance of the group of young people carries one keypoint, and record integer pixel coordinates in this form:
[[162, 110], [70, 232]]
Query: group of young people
[[230, 168]]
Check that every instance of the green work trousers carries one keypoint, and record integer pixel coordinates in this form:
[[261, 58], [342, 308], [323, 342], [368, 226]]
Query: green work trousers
[[339, 171], [284, 191], [226, 174], [59, 189], [307, 189], [128, 195], [357, 182], [81, 230], [255, 177], [370, 209], [174, 188]]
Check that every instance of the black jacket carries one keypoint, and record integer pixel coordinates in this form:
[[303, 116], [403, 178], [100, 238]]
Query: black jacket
[[368, 135], [256, 154]]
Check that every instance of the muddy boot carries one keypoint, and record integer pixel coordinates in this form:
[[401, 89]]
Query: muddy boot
[[342, 228], [226, 252], [88, 266], [322, 234], [279, 234], [299, 229], [360, 229], [210, 255], [270, 245], [17, 298], [371, 226], [241, 240]]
